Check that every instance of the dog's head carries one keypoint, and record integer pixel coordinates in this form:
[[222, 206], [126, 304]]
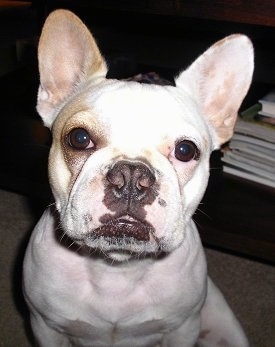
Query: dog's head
[[129, 162]]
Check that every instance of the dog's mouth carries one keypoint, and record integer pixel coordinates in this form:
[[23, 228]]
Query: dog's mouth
[[124, 228], [120, 238]]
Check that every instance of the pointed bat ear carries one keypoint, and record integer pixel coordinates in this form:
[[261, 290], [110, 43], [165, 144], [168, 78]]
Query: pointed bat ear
[[218, 81], [67, 56]]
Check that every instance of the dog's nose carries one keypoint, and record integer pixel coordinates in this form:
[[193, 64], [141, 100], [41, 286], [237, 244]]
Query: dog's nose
[[131, 179]]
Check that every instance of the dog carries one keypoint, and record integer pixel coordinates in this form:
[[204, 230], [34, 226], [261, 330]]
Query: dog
[[117, 261]]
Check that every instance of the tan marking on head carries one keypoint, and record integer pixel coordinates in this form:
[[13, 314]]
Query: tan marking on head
[[68, 55], [218, 81], [76, 114]]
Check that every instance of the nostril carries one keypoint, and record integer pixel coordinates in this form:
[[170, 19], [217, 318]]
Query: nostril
[[116, 178], [145, 181], [119, 176]]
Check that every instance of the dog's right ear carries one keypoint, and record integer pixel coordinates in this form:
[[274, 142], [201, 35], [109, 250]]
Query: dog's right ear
[[218, 81], [67, 56]]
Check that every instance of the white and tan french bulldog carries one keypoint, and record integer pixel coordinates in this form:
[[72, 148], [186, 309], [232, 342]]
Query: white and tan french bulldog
[[128, 166]]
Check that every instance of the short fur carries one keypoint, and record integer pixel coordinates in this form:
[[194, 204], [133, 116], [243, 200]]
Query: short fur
[[118, 261]]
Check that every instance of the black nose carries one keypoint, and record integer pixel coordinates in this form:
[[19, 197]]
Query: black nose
[[131, 180]]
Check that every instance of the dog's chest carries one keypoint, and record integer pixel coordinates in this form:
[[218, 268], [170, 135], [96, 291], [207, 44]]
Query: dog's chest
[[138, 318], [120, 334], [118, 308], [90, 300], [117, 311]]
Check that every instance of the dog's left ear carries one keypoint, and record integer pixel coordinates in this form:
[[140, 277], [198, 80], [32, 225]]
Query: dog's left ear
[[67, 56], [218, 81]]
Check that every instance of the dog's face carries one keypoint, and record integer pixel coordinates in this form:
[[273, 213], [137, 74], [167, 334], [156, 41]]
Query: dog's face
[[129, 162], [127, 168]]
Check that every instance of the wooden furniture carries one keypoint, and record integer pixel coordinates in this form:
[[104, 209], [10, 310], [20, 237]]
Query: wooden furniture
[[237, 215]]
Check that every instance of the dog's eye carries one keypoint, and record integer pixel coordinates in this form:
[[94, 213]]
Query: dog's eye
[[186, 151], [80, 139]]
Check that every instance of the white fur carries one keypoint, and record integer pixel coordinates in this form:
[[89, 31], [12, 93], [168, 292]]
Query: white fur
[[144, 293]]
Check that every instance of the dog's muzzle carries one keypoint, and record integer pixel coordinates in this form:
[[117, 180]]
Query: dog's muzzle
[[129, 187]]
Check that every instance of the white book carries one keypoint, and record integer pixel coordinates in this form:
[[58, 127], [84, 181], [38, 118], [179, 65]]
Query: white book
[[238, 158], [266, 114], [268, 103], [255, 129], [254, 169], [254, 150], [248, 176], [252, 140], [259, 158]]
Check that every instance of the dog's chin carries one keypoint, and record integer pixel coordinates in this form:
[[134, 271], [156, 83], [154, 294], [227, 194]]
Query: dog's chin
[[123, 248], [122, 239], [119, 257]]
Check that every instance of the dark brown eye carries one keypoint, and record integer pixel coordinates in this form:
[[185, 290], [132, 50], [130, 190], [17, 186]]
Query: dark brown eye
[[186, 151], [80, 139]]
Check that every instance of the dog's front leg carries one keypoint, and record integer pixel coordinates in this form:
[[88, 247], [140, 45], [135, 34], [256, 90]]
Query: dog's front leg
[[219, 326], [185, 336], [46, 336]]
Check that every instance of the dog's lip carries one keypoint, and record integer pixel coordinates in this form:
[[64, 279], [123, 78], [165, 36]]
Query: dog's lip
[[125, 227]]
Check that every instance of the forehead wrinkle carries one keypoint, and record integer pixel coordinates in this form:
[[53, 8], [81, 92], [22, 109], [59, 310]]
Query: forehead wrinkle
[[135, 104], [135, 111], [136, 119]]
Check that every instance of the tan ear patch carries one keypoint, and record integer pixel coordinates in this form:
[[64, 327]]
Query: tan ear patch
[[218, 80], [67, 55]]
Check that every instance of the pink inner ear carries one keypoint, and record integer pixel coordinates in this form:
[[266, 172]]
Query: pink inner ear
[[217, 86], [67, 55], [226, 71], [62, 64]]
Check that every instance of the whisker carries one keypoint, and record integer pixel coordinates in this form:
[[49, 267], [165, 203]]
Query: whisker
[[62, 236], [71, 244], [79, 248], [52, 204], [202, 212]]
